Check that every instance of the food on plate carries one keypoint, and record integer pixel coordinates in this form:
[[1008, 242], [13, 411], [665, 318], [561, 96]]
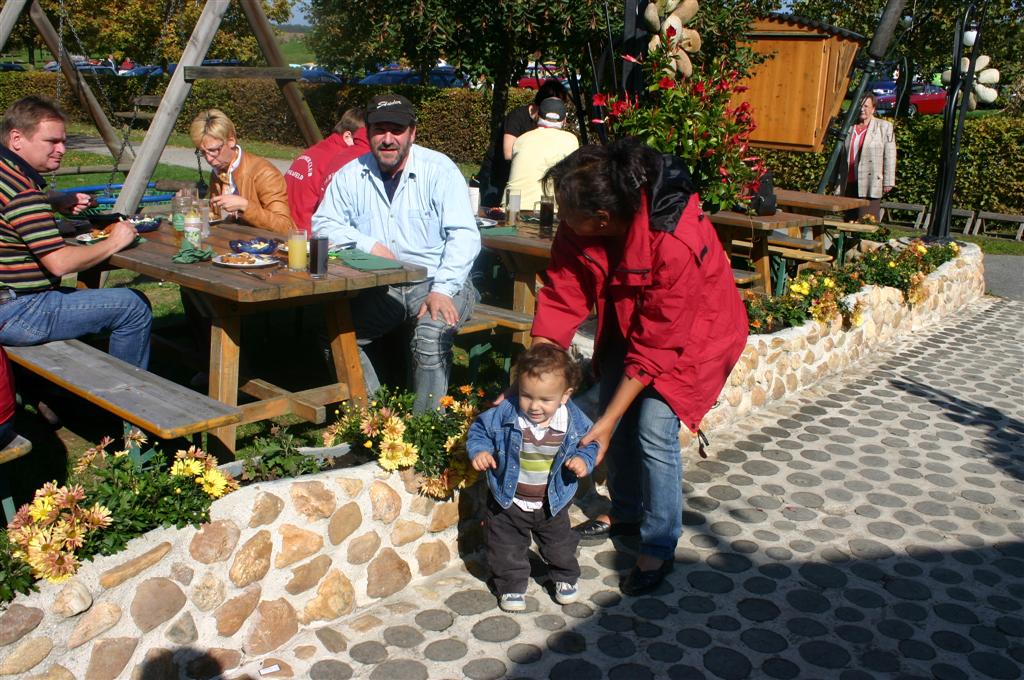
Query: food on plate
[[97, 234], [239, 258]]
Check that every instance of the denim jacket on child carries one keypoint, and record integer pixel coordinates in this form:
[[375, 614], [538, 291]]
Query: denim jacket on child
[[497, 431]]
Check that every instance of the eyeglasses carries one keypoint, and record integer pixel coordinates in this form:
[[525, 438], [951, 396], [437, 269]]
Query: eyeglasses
[[212, 153]]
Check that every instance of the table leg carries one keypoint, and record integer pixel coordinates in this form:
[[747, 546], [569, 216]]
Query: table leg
[[344, 349], [225, 337], [524, 299], [759, 259]]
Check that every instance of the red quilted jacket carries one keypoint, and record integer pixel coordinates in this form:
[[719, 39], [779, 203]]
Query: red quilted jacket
[[674, 298]]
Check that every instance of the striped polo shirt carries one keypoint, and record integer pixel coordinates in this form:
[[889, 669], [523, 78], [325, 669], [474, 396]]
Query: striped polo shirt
[[27, 228], [540, 446]]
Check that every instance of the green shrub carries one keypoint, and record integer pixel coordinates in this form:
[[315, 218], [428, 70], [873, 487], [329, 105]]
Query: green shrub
[[990, 170], [451, 120]]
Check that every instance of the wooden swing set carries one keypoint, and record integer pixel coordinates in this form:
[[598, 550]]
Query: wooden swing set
[[141, 164]]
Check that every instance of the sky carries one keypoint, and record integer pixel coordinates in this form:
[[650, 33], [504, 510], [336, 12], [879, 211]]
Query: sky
[[299, 15]]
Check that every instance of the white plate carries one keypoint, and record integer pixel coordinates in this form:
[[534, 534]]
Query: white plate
[[89, 238], [483, 222], [261, 261]]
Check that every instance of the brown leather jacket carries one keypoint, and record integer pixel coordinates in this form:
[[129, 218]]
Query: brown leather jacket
[[263, 186]]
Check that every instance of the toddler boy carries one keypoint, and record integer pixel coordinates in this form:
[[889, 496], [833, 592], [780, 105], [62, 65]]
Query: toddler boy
[[527, 445]]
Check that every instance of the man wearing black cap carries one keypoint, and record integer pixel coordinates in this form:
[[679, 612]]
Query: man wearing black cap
[[406, 202]]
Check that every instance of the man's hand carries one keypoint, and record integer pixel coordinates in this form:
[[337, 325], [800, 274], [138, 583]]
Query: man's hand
[[381, 250], [484, 461], [122, 235], [439, 303], [578, 466], [601, 432], [71, 204]]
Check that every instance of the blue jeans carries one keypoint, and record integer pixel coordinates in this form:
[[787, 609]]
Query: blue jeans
[[645, 468], [65, 313], [379, 311]]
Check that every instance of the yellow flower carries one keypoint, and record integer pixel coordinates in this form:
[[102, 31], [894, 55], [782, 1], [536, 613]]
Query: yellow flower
[[920, 248], [954, 247], [829, 283], [41, 508], [410, 454], [892, 264], [368, 444], [394, 428], [392, 454], [214, 483], [186, 467]]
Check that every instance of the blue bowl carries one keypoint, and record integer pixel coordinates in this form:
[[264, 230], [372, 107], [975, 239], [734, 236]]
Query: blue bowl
[[256, 246], [143, 223]]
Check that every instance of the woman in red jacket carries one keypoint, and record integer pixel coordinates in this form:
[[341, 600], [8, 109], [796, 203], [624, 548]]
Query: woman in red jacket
[[636, 246]]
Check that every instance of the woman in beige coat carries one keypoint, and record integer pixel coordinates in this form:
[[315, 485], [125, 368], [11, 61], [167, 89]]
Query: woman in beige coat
[[868, 166]]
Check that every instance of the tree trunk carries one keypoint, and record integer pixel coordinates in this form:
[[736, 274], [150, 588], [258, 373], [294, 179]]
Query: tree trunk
[[499, 100]]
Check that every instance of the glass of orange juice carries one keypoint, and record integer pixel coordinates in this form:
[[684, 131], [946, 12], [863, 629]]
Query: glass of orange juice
[[298, 257]]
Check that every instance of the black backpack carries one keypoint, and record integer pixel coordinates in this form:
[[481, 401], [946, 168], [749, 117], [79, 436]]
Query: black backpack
[[763, 202]]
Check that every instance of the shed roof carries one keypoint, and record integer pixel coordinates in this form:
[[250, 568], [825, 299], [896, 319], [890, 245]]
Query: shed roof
[[819, 25]]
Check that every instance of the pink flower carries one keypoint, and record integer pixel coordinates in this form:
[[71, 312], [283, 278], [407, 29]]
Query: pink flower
[[666, 83], [670, 32], [630, 58], [600, 99], [723, 171]]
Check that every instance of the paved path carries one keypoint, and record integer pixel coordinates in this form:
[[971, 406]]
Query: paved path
[[1004, 276], [867, 528]]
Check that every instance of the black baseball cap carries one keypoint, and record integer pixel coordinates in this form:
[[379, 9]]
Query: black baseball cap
[[390, 108]]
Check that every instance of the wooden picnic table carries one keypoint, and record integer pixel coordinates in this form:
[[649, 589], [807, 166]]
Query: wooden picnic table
[[821, 204], [525, 255], [757, 229], [233, 293]]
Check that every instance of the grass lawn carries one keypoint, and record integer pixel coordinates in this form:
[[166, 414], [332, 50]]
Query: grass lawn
[[990, 245], [295, 50], [265, 149]]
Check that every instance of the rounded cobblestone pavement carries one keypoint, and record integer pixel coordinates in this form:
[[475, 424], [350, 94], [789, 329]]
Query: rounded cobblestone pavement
[[869, 527]]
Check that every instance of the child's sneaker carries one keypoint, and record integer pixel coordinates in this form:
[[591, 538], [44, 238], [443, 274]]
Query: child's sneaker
[[566, 593], [512, 602]]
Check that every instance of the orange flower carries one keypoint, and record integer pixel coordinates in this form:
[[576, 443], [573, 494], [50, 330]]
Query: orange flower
[[466, 389], [446, 401]]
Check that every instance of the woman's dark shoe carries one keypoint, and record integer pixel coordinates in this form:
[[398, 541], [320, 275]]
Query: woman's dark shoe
[[595, 528], [639, 582]]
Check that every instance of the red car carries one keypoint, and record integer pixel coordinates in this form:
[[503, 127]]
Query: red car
[[924, 99]]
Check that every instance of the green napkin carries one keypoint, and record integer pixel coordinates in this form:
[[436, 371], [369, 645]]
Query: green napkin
[[189, 254], [499, 231], [366, 262]]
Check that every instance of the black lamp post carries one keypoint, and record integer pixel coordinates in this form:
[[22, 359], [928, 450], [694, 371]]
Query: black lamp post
[[968, 35]]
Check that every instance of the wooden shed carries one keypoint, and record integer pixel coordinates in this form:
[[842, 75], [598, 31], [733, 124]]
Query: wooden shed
[[795, 94]]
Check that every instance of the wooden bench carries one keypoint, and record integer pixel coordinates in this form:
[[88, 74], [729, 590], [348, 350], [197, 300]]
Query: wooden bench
[[154, 404], [844, 228], [488, 317], [146, 100], [780, 257], [921, 211], [983, 216], [792, 242]]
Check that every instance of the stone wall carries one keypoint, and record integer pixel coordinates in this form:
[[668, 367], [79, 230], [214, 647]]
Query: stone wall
[[774, 366], [276, 557], [291, 555]]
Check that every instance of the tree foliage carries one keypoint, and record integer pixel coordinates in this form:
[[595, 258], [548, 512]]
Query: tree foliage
[[148, 31], [928, 42], [494, 40]]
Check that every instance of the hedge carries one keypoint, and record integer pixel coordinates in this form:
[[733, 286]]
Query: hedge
[[453, 121], [990, 171], [990, 174]]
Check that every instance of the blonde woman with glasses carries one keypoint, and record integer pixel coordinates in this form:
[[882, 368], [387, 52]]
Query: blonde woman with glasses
[[245, 187]]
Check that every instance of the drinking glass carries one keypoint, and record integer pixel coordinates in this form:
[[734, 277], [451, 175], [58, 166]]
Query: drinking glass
[[545, 210], [513, 200], [297, 255]]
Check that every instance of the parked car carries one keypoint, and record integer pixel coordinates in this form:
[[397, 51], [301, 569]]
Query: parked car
[[924, 99], [536, 75], [440, 76], [320, 75], [882, 88], [8, 66]]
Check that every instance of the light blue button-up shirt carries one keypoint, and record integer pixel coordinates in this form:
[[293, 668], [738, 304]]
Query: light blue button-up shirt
[[428, 222]]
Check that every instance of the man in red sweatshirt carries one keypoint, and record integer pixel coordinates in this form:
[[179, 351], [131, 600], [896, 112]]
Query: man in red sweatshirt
[[310, 173]]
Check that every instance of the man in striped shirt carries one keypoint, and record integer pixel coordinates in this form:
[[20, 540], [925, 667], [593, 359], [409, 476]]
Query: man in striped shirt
[[34, 309]]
